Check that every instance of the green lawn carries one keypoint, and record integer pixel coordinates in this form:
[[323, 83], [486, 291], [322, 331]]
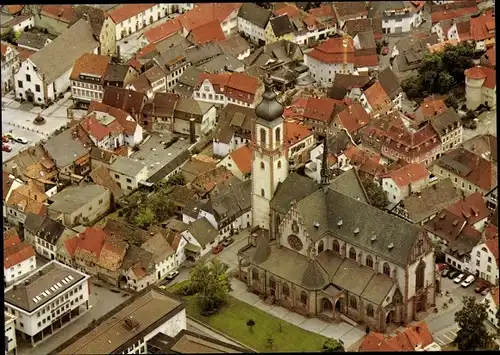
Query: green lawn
[[232, 320]]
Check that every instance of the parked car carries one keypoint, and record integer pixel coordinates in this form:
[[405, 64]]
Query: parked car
[[6, 148], [453, 274], [385, 50], [468, 281], [21, 140], [227, 242], [480, 288], [9, 136], [443, 266], [172, 275], [445, 272], [485, 291], [5, 139], [459, 278], [216, 250]]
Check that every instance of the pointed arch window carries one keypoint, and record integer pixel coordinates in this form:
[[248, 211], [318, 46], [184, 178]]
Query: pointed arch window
[[303, 297], [353, 302], [263, 136], [352, 253], [369, 261], [336, 246], [286, 290], [262, 165], [321, 246], [262, 193], [369, 311], [277, 135], [279, 164], [386, 269]]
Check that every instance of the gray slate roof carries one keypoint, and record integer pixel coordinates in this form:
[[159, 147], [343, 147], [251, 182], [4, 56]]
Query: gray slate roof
[[64, 149], [203, 231], [33, 40], [314, 277], [126, 166], [295, 187], [390, 83], [349, 183], [254, 14], [191, 106], [282, 25], [446, 120], [234, 45], [222, 63], [74, 197], [60, 55]]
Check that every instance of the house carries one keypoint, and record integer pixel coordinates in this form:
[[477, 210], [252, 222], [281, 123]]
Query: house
[[161, 32], [473, 209], [222, 63], [236, 46], [158, 113], [10, 334], [23, 200], [355, 26], [280, 28], [55, 18], [376, 101], [19, 23], [484, 145], [9, 184], [45, 75], [233, 129], [239, 162], [34, 41], [101, 24], [151, 81], [319, 23], [18, 258], [87, 79], [128, 173], [392, 87], [119, 75], [398, 16], [320, 112], [480, 87], [348, 85], [413, 338], [488, 59], [430, 107], [410, 51], [209, 32], [222, 89], [141, 319], [225, 13], [163, 255], [204, 183], [34, 297], [352, 119], [328, 59], [350, 10], [104, 130], [481, 31], [129, 101], [468, 171], [448, 125], [201, 236], [252, 22], [173, 61], [484, 262], [132, 131], [69, 154], [299, 139], [420, 207], [78, 204], [193, 117], [131, 18], [493, 306], [401, 183], [180, 196], [10, 64]]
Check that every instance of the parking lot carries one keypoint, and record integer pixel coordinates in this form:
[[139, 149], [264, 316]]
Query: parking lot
[[102, 300]]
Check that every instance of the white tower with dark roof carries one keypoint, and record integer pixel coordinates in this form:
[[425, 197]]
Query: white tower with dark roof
[[270, 164]]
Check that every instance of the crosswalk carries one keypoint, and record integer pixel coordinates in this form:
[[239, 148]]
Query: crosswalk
[[447, 337]]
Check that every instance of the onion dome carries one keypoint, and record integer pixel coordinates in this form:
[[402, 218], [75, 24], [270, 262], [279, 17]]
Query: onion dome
[[269, 108]]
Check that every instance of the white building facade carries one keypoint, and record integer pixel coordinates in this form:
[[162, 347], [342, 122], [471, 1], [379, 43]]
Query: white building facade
[[483, 263], [10, 334], [10, 64], [144, 15], [324, 73]]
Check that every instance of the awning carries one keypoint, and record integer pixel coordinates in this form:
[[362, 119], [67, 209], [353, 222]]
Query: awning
[[192, 248]]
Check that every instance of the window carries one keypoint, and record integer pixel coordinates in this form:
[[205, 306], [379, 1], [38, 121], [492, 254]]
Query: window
[[369, 261], [303, 297], [386, 269], [20, 84], [478, 262], [353, 302], [263, 136], [262, 193], [279, 164], [129, 180], [37, 88], [489, 259], [352, 254], [255, 275], [321, 246], [117, 176], [336, 246], [369, 311], [262, 165], [420, 277], [488, 268], [286, 290], [28, 78], [272, 283], [277, 134]]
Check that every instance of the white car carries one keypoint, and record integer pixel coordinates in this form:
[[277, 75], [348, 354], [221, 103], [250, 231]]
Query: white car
[[21, 140], [172, 275], [470, 279], [458, 279]]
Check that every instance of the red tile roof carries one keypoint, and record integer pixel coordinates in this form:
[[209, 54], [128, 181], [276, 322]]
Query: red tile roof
[[17, 253], [124, 12], [332, 51], [4, 47], [365, 58], [377, 97], [59, 12], [432, 106], [126, 121], [354, 117], [14, 9], [320, 109], [243, 82], [490, 56], [209, 32], [452, 14], [10, 241], [492, 245], [24, 53], [483, 27], [296, 132], [18, 200], [203, 13], [479, 73], [491, 232], [289, 10], [90, 63], [410, 173], [495, 295], [296, 109], [324, 11], [414, 336], [218, 81], [90, 241], [472, 208], [242, 157], [163, 31], [99, 131]]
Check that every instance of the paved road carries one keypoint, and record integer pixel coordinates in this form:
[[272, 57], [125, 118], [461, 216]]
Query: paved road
[[486, 124], [102, 301], [31, 136]]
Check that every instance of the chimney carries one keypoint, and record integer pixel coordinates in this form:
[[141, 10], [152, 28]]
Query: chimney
[[192, 130]]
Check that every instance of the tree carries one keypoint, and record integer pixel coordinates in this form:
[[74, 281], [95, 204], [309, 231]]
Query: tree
[[9, 36], [451, 101], [445, 82], [212, 284], [412, 86], [250, 324], [472, 334], [333, 346], [161, 206], [177, 179], [144, 218], [376, 195]]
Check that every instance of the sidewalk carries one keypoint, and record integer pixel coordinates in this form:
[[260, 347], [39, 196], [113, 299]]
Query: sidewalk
[[347, 333]]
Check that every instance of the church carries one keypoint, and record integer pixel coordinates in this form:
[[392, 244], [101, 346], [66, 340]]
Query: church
[[320, 249]]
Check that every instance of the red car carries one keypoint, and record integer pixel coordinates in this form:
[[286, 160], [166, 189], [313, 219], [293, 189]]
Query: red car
[[442, 266], [6, 148], [217, 249], [385, 50]]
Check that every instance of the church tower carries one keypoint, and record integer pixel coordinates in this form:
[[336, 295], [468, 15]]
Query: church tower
[[270, 164]]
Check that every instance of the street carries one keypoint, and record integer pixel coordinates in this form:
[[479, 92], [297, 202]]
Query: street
[[101, 302], [486, 124]]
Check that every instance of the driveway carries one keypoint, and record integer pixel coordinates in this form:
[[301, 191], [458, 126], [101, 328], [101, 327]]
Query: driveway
[[102, 300]]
